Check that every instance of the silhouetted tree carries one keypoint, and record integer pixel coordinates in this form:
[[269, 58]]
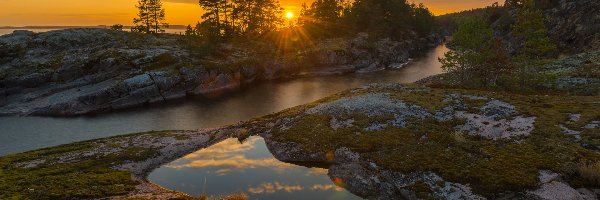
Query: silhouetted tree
[[326, 12], [117, 27], [189, 31], [423, 21], [228, 18], [151, 17], [384, 18]]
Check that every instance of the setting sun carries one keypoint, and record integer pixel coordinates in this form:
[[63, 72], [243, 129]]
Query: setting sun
[[289, 15]]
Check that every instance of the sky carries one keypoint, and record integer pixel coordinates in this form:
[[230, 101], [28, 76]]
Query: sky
[[180, 12]]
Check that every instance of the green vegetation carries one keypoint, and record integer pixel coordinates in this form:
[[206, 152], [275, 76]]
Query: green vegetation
[[479, 60], [73, 171], [488, 166], [393, 19], [530, 31]]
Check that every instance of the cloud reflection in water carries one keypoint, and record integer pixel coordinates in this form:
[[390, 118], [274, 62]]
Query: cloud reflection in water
[[231, 166], [229, 156]]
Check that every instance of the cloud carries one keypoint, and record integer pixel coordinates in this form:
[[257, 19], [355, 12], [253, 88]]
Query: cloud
[[228, 156], [326, 187], [274, 187]]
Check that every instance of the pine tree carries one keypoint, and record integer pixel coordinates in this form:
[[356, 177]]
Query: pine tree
[[228, 18], [189, 31], [423, 21], [151, 17], [530, 31], [142, 21]]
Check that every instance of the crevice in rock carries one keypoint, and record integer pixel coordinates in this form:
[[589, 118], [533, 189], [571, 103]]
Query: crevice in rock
[[160, 92]]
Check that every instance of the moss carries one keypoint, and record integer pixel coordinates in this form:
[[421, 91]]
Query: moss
[[421, 190], [56, 62], [489, 167], [89, 176], [165, 61]]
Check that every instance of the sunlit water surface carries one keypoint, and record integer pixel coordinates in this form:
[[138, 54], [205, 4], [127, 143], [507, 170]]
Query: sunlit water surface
[[249, 168], [19, 134]]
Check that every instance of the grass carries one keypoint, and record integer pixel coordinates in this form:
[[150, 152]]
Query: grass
[[590, 173], [80, 176], [489, 167]]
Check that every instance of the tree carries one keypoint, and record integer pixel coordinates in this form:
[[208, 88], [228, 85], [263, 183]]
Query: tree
[[189, 31], [151, 17], [228, 18], [383, 18], [477, 59], [211, 17], [473, 34], [326, 12], [117, 27], [305, 15], [424, 21], [530, 31]]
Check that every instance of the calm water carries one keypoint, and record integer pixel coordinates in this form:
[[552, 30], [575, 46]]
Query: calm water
[[19, 134], [250, 168]]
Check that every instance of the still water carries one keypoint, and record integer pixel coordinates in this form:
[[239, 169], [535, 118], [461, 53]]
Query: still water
[[19, 134], [249, 168]]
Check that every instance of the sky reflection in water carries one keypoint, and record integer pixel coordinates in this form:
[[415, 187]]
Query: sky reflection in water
[[19, 134], [249, 167]]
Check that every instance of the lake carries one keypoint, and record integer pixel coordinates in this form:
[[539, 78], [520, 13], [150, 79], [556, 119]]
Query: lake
[[19, 134]]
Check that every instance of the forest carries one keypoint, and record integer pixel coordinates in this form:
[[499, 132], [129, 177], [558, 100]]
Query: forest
[[225, 20]]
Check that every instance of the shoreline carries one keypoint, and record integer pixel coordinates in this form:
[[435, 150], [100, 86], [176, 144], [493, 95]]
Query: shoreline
[[172, 73]]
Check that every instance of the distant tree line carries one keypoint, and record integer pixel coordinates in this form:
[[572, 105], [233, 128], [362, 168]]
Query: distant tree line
[[396, 19], [225, 19]]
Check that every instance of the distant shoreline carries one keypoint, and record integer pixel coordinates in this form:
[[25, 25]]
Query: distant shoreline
[[66, 27]]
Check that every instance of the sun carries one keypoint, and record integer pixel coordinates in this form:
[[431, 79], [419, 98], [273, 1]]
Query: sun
[[289, 15]]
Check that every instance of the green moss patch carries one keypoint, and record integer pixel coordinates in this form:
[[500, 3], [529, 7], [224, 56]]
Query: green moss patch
[[74, 171], [490, 167]]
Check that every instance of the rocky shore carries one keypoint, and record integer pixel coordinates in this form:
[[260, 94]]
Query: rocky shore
[[381, 141], [81, 71]]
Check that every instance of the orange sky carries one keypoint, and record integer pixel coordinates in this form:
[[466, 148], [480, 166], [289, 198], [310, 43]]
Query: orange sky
[[108, 12]]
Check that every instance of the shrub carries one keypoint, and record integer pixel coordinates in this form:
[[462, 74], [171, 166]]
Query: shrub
[[117, 27]]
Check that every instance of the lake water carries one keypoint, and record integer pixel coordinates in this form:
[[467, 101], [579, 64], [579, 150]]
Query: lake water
[[19, 134], [234, 167]]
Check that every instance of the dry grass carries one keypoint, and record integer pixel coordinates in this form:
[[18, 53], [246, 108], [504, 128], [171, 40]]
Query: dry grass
[[459, 137], [590, 173]]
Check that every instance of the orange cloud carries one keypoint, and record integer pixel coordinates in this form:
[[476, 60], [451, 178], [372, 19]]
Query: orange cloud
[[228, 156], [274, 187]]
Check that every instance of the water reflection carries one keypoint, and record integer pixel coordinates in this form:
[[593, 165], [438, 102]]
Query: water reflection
[[249, 167], [18, 134]]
